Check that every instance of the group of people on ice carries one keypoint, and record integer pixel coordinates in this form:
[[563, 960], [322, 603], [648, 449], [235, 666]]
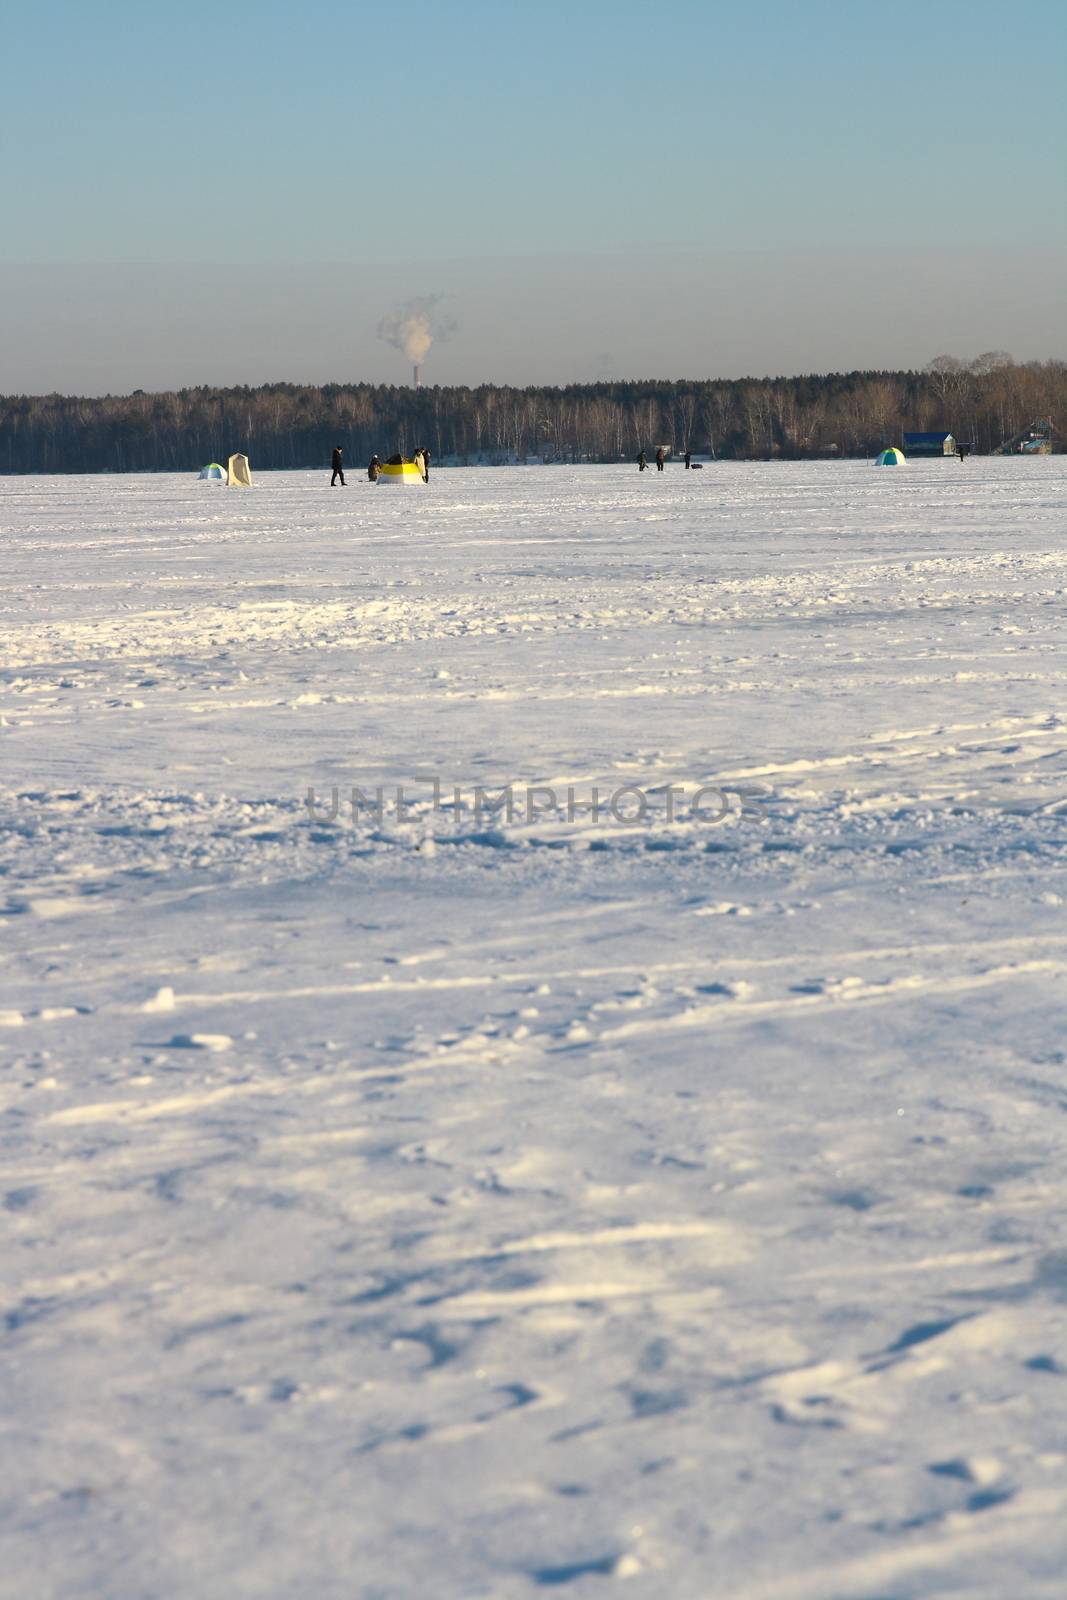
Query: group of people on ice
[[420, 459], [661, 459]]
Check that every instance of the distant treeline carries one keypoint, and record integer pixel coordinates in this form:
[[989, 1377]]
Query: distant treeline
[[982, 402]]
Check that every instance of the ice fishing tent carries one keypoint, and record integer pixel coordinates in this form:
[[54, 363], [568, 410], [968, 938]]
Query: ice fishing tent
[[239, 471], [213, 472], [398, 469], [891, 458]]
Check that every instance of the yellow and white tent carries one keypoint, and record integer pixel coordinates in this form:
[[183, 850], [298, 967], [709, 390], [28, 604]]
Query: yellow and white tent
[[399, 470], [238, 471]]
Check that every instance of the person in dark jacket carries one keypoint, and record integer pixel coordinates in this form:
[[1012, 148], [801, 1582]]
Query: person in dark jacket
[[338, 470], [374, 469], [660, 459], [687, 460], [642, 462]]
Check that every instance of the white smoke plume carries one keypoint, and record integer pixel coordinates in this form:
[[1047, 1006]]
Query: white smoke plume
[[415, 326]]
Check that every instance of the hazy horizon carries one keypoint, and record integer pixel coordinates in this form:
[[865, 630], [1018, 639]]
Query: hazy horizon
[[590, 193], [112, 328]]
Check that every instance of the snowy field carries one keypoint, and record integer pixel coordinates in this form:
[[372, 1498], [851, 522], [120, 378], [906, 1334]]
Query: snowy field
[[427, 1203]]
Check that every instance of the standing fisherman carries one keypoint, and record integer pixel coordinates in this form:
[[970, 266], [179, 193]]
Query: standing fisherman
[[642, 462], [374, 469], [338, 470], [660, 459]]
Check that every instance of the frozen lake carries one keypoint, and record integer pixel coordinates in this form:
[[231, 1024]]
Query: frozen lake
[[405, 1199]]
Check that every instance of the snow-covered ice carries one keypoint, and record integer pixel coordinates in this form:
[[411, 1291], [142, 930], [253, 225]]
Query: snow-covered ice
[[437, 1204]]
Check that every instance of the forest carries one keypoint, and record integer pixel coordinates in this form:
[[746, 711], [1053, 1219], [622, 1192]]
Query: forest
[[983, 401]]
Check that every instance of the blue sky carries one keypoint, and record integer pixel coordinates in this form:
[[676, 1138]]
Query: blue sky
[[426, 143]]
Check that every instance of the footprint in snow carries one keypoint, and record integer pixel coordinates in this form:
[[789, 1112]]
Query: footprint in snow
[[199, 1041]]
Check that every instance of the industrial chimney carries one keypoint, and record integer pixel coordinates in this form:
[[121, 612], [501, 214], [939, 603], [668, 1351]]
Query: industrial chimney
[[413, 328]]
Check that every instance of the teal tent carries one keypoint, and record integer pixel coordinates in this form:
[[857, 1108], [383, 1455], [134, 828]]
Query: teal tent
[[891, 458]]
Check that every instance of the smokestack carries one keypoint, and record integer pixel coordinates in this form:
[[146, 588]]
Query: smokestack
[[413, 329]]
